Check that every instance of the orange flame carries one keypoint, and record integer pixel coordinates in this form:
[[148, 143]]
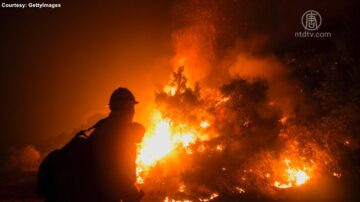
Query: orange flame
[[158, 142]]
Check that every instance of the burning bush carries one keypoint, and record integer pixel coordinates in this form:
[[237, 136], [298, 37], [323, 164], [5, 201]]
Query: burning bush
[[226, 144]]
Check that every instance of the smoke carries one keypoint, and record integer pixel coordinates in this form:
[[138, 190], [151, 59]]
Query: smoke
[[248, 60], [23, 159], [213, 56]]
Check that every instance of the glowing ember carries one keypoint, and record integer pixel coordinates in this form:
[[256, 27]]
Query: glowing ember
[[204, 124], [167, 199], [240, 190], [171, 90], [335, 174], [292, 177], [283, 119], [219, 148], [182, 188], [184, 139], [223, 100], [211, 197]]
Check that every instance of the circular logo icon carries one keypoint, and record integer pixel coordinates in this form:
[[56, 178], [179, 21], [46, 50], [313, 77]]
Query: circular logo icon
[[311, 20]]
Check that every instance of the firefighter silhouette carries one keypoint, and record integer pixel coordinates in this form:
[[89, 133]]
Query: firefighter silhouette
[[98, 167]]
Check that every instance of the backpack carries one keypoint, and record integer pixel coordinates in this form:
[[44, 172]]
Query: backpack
[[64, 174], [69, 173]]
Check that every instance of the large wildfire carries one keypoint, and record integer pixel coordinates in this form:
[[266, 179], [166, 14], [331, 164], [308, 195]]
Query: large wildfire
[[238, 131], [230, 141]]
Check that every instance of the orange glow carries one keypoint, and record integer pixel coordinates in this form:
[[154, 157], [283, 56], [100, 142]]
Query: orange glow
[[181, 62], [156, 145]]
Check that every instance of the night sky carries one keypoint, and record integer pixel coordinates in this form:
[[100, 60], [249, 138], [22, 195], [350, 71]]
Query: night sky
[[59, 66]]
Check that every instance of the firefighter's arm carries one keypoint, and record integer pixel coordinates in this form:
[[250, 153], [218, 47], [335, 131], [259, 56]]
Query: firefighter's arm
[[138, 131]]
